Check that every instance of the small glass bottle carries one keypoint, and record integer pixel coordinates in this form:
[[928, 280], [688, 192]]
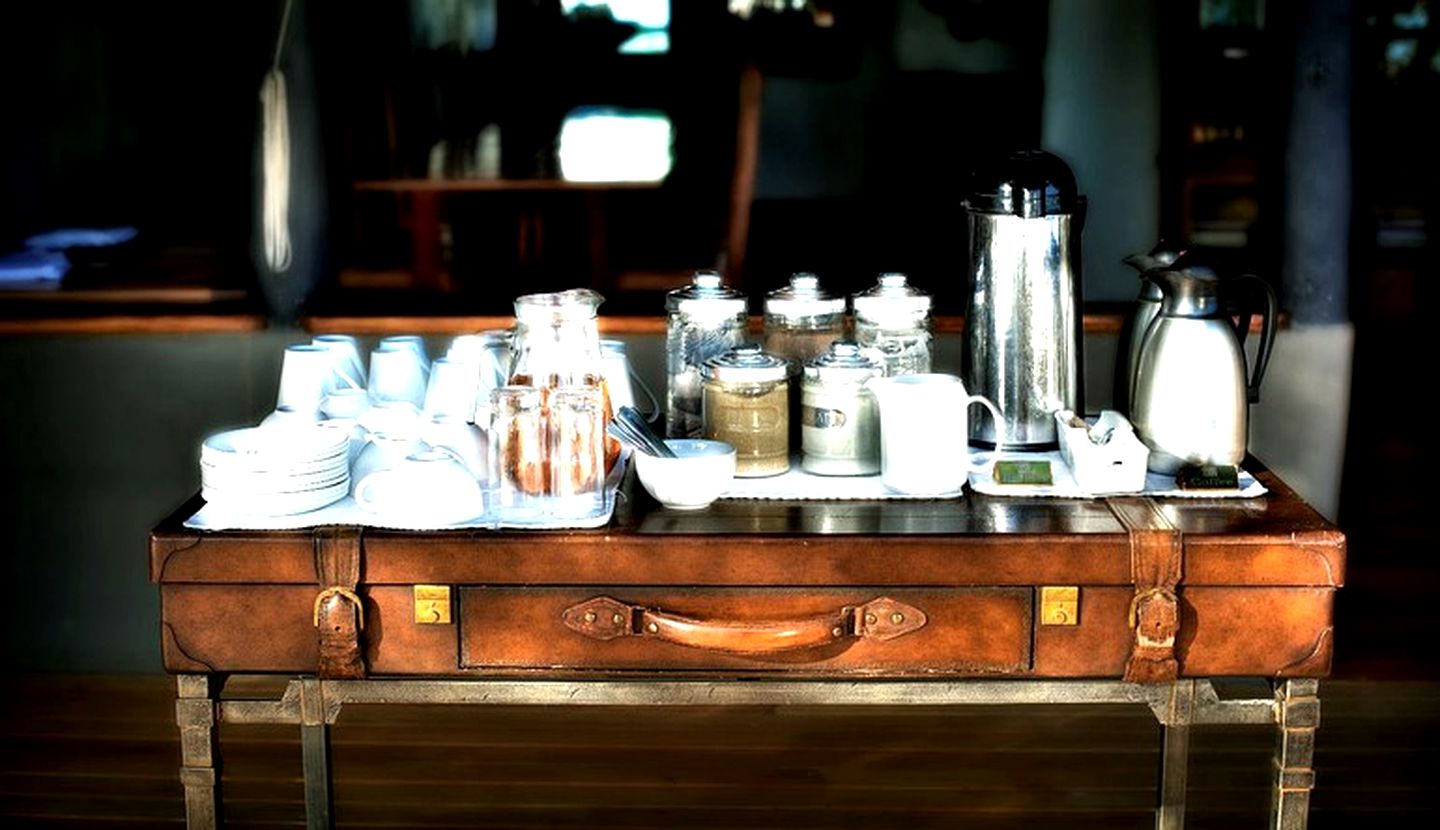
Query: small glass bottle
[[746, 403], [892, 325], [703, 320], [802, 319], [517, 429], [575, 429], [839, 417]]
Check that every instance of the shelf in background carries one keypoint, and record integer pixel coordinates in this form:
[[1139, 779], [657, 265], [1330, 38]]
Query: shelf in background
[[495, 184]]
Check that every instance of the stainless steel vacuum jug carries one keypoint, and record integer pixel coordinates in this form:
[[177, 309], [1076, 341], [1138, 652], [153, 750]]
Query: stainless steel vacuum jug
[[1023, 330]]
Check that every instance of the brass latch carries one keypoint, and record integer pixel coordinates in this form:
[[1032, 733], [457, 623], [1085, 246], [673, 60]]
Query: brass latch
[[432, 604], [1059, 605]]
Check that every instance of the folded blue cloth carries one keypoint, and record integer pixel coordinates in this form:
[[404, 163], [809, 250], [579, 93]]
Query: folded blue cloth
[[62, 238], [32, 267]]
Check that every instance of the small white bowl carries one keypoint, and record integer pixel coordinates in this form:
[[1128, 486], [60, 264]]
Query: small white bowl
[[701, 471]]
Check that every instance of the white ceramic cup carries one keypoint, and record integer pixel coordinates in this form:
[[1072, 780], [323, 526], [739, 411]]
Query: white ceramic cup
[[396, 375], [345, 403], [924, 433], [348, 370], [466, 348], [615, 365], [469, 442], [428, 488], [304, 378], [411, 342], [451, 393]]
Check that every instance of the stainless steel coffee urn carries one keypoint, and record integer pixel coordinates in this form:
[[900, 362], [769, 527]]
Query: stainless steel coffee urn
[[1023, 320]]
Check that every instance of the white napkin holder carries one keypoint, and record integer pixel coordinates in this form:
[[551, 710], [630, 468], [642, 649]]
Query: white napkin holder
[[1116, 465]]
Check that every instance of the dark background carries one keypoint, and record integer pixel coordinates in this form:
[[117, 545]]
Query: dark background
[[146, 114]]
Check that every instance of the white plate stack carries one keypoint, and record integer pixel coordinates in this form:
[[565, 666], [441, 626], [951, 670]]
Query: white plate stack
[[275, 472]]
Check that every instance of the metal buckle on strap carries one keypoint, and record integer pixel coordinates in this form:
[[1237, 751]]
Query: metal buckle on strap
[[1148, 593], [340, 591]]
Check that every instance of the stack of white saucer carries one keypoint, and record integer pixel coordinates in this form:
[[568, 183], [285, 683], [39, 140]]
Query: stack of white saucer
[[275, 472]]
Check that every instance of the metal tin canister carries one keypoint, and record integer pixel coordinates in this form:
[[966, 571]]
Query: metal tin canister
[[839, 417], [746, 403]]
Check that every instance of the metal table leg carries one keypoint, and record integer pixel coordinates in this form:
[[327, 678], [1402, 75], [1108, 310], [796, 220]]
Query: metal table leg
[[315, 752], [1175, 756], [195, 714], [314, 704], [1297, 715]]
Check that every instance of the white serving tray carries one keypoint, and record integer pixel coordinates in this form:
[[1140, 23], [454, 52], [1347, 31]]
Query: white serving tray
[[345, 512]]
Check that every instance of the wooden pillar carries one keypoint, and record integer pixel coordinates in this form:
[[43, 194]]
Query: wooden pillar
[[1315, 286]]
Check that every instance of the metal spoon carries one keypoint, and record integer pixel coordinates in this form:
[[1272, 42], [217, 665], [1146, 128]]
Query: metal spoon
[[632, 418], [624, 436]]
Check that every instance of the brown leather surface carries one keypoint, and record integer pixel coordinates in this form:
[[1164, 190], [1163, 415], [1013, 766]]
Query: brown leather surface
[[266, 628], [339, 615], [597, 558], [1273, 540], [967, 631], [240, 627], [269, 628], [1256, 596], [1264, 631], [1098, 645]]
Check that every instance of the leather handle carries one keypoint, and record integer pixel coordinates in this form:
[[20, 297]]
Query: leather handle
[[605, 618]]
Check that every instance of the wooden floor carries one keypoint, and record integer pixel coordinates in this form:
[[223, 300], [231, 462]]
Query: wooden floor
[[82, 751]]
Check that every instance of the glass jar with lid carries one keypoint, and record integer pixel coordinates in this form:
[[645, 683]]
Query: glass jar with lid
[[703, 320], [802, 319], [839, 417], [746, 403], [892, 325]]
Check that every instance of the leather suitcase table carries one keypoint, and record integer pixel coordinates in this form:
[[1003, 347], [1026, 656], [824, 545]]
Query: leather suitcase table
[[969, 601]]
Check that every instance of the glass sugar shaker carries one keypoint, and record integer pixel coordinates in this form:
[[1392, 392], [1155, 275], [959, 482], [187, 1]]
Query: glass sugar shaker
[[839, 417], [703, 320], [892, 325], [802, 319], [746, 403]]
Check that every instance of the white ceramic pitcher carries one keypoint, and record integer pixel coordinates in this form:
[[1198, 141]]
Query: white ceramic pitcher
[[925, 433]]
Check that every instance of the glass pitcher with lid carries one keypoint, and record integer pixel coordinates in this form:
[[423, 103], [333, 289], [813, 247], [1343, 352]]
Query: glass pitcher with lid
[[557, 340], [557, 344]]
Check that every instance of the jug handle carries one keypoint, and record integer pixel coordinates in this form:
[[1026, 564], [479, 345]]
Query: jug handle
[[1267, 336], [995, 415]]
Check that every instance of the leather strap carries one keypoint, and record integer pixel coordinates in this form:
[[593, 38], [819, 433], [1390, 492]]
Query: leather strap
[[1157, 562], [339, 611]]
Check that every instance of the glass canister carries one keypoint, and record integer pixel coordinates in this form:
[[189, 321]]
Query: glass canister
[[802, 319], [746, 403], [703, 320], [839, 417], [892, 325]]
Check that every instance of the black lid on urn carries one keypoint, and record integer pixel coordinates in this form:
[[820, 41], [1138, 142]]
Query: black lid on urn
[[1025, 183]]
